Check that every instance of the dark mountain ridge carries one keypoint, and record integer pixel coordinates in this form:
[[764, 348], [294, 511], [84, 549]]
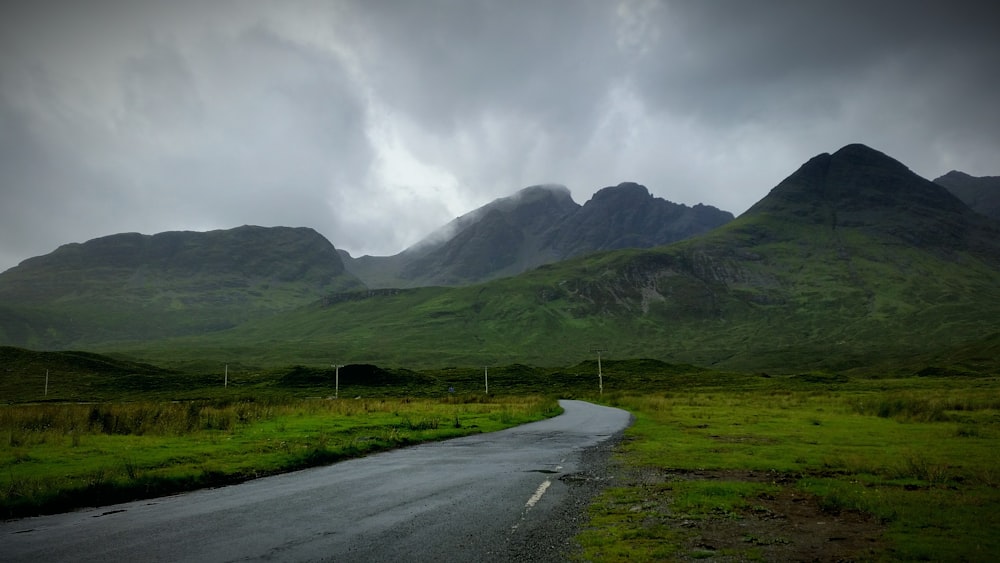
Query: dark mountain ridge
[[628, 216], [982, 194], [862, 188], [248, 252], [538, 225]]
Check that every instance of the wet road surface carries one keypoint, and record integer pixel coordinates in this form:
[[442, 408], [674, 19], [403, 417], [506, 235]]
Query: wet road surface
[[465, 499]]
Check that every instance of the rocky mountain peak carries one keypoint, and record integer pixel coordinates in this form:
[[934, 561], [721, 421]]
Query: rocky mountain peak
[[554, 192], [955, 175], [536, 207], [856, 184], [981, 193], [861, 188], [625, 193]]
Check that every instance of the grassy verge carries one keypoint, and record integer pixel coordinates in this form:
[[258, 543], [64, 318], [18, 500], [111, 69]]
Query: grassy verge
[[806, 469], [56, 457]]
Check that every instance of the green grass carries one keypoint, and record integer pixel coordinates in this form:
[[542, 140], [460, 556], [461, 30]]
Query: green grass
[[55, 457], [915, 456], [918, 456]]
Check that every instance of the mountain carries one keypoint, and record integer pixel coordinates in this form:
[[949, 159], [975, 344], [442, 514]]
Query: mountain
[[132, 286], [982, 194], [628, 216], [853, 260], [498, 239], [538, 225], [864, 190]]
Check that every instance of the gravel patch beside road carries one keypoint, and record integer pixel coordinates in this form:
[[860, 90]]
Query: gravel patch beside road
[[554, 541]]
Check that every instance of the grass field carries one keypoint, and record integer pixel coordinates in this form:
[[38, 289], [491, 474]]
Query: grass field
[[719, 466], [806, 468], [55, 457]]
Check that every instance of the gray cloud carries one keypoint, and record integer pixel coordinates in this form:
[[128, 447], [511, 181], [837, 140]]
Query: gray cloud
[[898, 74], [448, 63], [377, 122]]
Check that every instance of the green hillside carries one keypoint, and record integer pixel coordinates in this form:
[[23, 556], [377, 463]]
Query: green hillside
[[851, 261], [133, 287]]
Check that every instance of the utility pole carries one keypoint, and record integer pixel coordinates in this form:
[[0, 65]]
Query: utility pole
[[600, 376], [486, 374], [226, 384], [336, 380]]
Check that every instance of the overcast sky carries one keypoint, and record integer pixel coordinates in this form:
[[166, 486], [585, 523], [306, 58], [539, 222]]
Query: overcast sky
[[375, 122]]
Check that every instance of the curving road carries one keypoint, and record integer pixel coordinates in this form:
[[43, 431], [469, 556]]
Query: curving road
[[467, 499]]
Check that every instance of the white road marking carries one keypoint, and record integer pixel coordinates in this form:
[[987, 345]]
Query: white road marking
[[532, 502], [538, 494]]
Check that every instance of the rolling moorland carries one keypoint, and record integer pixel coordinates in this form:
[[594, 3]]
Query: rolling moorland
[[826, 361]]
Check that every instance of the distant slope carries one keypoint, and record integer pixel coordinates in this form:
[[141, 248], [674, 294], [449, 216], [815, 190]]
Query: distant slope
[[134, 287], [21, 360], [24, 374], [538, 225], [982, 194], [850, 261]]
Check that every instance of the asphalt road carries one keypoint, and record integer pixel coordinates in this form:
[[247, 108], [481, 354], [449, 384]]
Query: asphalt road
[[467, 499]]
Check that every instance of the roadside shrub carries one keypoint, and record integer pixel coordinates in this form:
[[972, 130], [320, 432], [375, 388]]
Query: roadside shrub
[[423, 424], [920, 407], [967, 431], [920, 467]]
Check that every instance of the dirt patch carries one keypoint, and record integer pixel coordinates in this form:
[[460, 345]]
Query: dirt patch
[[787, 525], [792, 527]]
